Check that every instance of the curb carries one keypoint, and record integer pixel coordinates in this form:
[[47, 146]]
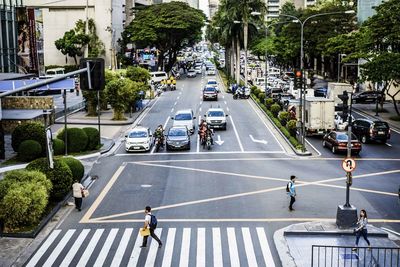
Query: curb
[[380, 118], [95, 123], [281, 246], [332, 233], [308, 153]]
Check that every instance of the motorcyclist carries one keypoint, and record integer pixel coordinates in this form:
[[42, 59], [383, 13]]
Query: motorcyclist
[[159, 133], [204, 131]]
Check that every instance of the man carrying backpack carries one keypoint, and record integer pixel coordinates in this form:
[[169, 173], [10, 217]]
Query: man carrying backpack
[[150, 221], [291, 191]]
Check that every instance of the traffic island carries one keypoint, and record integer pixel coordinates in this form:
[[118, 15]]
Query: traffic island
[[322, 242]]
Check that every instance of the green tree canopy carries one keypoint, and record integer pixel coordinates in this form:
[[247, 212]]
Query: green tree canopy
[[167, 26]]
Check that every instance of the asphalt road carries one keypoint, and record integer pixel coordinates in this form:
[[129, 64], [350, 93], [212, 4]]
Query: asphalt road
[[218, 207]]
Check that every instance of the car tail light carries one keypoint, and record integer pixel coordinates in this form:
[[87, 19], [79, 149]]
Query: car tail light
[[342, 144]]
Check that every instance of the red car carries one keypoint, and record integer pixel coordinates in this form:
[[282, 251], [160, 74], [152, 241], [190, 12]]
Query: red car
[[337, 142]]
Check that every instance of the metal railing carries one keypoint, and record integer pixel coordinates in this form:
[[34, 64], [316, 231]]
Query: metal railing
[[78, 106], [341, 256]]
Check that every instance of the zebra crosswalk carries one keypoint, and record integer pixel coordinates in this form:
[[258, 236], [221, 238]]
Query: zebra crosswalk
[[183, 247]]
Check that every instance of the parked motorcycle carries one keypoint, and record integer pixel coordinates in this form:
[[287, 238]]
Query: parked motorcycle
[[242, 93]]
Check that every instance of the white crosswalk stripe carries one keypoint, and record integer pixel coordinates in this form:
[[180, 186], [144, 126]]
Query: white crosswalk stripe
[[216, 246]]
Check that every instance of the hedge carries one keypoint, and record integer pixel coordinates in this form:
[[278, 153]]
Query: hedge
[[76, 167], [261, 97], [269, 102], [18, 176], [292, 126], [58, 146], [93, 138], [29, 150], [28, 131], [60, 176], [275, 108], [283, 117], [77, 139]]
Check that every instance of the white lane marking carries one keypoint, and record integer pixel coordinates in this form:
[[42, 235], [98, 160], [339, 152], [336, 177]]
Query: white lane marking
[[266, 251], [178, 97], [90, 248], [258, 141], [175, 103], [237, 135], [151, 256], [227, 109], [133, 259], [217, 249], [219, 141], [220, 152], [248, 247], [119, 254], [223, 97], [389, 145], [180, 93], [172, 110], [200, 109], [35, 259], [266, 126], [198, 138], [201, 247], [313, 147], [201, 102], [60, 246], [233, 250], [106, 248], [390, 231], [225, 102], [184, 258], [75, 247], [169, 247]]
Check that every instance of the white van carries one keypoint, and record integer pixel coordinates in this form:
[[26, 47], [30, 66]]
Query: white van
[[158, 76], [186, 118]]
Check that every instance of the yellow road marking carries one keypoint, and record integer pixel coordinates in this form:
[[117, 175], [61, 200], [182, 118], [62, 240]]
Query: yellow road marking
[[102, 195], [239, 220]]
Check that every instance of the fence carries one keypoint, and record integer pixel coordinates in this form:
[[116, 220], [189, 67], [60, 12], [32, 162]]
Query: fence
[[70, 109], [340, 256]]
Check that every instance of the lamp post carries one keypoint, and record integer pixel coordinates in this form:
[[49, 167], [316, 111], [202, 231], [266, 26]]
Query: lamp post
[[302, 90]]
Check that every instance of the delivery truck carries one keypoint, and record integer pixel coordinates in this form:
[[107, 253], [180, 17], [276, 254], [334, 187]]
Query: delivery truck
[[335, 89], [319, 115]]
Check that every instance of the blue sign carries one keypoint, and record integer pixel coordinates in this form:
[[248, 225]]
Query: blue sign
[[16, 84]]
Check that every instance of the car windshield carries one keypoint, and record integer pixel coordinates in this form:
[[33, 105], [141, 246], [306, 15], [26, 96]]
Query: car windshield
[[138, 134], [380, 124], [343, 137], [215, 114], [212, 82], [209, 89], [183, 117], [177, 132]]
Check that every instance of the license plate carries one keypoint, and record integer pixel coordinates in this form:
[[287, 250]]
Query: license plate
[[381, 132], [136, 147]]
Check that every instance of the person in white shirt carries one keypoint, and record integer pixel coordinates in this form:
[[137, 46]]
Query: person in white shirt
[[147, 222], [361, 229], [77, 189]]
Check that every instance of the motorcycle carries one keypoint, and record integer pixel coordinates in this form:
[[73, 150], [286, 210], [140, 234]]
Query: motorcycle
[[242, 93], [158, 143], [208, 142]]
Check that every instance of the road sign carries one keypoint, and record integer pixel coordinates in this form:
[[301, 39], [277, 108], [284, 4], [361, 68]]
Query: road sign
[[349, 164]]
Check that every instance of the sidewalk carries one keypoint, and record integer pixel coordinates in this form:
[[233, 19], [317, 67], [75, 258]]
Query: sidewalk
[[369, 110], [294, 244]]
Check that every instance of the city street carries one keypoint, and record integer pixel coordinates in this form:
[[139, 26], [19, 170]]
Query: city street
[[219, 207]]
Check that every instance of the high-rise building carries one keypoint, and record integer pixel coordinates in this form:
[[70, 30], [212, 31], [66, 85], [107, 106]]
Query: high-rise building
[[192, 3], [365, 9]]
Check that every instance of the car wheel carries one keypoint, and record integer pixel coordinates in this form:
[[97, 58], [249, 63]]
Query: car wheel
[[188, 146], [323, 143], [333, 149], [364, 139]]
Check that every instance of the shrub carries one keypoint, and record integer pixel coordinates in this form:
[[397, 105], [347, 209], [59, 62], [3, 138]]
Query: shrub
[[253, 89], [261, 96], [23, 204], [76, 139], [60, 176], [58, 146], [76, 167], [275, 108], [28, 131], [283, 117], [292, 126], [269, 102], [29, 150], [394, 118], [93, 138], [20, 176]]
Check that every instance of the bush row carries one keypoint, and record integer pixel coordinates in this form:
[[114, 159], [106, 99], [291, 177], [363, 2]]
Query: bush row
[[29, 141], [280, 118], [25, 194]]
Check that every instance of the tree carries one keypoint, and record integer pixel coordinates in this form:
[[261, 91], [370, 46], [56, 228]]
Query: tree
[[73, 42], [167, 26], [138, 74]]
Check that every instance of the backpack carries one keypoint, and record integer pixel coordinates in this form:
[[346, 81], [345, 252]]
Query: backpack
[[153, 222], [288, 187]]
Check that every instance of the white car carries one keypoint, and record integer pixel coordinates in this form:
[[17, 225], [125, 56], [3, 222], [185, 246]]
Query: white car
[[214, 83], [210, 71], [216, 118], [158, 76], [198, 69], [341, 125], [184, 117], [139, 139]]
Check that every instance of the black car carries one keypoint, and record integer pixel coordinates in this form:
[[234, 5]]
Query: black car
[[368, 97], [178, 138], [371, 130]]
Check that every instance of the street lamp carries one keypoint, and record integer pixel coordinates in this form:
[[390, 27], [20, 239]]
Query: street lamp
[[302, 90]]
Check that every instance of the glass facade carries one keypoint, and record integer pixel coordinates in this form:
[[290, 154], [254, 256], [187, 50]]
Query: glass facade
[[365, 9]]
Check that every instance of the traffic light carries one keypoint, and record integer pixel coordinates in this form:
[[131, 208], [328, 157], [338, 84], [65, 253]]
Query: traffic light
[[97, 79], [298, 80], [345, 98]]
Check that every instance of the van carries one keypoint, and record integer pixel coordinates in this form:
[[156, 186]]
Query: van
[[158, 76], [186, 118]]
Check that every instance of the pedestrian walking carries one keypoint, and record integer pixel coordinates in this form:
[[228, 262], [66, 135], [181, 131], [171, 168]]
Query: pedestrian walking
[[77, 192], [291, 191], [150, 222], [361, 229]]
